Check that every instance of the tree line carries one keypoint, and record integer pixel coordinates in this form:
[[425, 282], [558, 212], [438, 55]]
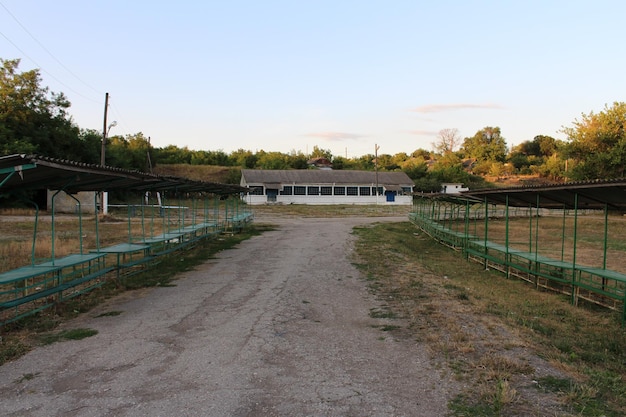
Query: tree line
[[35, 120]]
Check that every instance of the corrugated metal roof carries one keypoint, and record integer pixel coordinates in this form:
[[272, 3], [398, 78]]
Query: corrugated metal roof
[[583, 195], [318, 176], [36, 172]]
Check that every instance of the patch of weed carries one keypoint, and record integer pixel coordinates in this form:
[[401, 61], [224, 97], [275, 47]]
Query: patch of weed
[[554, 384], [26, 377], [110, 314], [389, 327], [377, 313], [12, 348], [464, 405], [72, 334]]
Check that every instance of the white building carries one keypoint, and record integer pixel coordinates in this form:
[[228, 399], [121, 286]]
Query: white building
[[314, 186], [453, 188]]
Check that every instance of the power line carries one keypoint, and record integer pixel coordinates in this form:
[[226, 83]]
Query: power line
[[119, 118], [49, 53]]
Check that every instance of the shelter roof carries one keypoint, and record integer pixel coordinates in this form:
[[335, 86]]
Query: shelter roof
[[322, 176], [36, 172], [595, 195]]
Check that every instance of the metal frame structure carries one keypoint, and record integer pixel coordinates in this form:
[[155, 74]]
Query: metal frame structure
[[463, 222], [40, 285]]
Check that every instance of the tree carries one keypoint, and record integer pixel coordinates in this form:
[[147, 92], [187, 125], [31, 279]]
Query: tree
[[597, 144], [91, 141], [421, 153], [447, 141], [172, 154], [33, 119], [529, 156], [415, 168], [487, 145], [321, 153], [273, 160], [243, 158]]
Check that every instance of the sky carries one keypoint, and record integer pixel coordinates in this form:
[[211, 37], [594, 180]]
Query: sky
[[343, 75]]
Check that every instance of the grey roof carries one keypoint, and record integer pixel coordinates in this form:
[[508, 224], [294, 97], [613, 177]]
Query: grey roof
[[320, 176], [38, 172], [595, 195]]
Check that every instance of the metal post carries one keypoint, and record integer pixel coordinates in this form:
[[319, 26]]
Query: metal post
[[506, 237], [574, 286]]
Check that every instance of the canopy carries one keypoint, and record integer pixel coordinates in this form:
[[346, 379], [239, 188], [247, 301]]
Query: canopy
[[36, 172], [594, 195]]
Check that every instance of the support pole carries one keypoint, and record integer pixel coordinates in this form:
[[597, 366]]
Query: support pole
[[103, 198]]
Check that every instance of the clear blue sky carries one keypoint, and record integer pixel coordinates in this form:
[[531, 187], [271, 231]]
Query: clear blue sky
[[341, 75]]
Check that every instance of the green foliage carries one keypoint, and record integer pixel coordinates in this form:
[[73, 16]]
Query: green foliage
[[486, 145], [243, 158], [273, 160], [321, 153], [538, 157], [33, 119], [415, 168], [597, 144]]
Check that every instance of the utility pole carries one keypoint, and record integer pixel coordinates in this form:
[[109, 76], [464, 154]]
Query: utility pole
[[104, 130], [103, 196]]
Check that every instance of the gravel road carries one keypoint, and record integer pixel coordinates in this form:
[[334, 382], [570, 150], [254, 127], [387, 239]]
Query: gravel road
[[279, 326]]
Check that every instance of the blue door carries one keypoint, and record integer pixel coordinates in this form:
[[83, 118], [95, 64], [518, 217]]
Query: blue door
[[271, 195]]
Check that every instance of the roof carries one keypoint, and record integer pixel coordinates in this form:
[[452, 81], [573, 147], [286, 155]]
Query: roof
[[594, 195], [36, 172], [318, 176]]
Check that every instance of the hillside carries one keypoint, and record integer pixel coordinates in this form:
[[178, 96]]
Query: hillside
[[209, 173]]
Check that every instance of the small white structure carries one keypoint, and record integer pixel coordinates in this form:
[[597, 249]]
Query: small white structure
[[316, 186], [453, 188], [63, 203]]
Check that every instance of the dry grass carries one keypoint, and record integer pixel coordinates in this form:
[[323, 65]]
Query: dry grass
[[336, 210], [210, 173], [512, 347], [17, 231], [555, 237]]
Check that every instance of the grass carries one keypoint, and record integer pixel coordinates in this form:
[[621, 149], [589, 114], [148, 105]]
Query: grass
[[72, 334], [491, 332]]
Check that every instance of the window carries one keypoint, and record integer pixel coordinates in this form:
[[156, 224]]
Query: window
[[313, 190], [287, 190], [353, 190], [299, 190], [256, 190], [365, 191], [326, 190], [339, 190]]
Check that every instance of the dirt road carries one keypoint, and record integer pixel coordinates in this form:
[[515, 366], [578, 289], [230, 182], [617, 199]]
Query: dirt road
[[279, 326]]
